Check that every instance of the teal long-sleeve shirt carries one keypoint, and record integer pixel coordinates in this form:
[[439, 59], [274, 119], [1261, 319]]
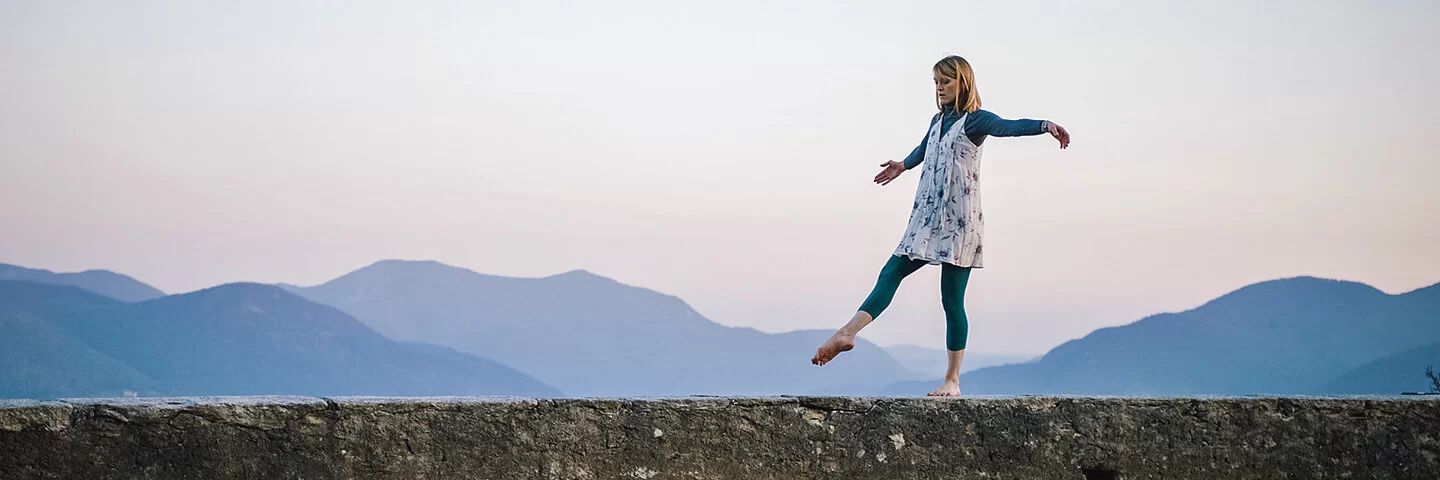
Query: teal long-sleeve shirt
[[978, 125]]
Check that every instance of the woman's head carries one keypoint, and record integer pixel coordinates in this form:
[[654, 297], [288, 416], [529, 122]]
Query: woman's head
[[955, 85]]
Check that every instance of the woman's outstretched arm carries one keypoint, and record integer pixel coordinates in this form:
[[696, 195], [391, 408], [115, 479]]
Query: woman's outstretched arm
[[983, 122]]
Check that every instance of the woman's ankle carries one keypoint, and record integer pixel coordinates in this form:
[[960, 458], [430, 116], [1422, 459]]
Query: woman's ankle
[[856, 324]]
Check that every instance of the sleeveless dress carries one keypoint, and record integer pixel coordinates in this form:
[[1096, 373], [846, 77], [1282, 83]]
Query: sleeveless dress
[[946, 224]]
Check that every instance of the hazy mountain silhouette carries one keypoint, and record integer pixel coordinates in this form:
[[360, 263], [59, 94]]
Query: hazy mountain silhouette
[[234, 339], [593, 336], [104, 282], [1403, 371], [1289, 336], [1393, 374], [41, 359], [931, 362]]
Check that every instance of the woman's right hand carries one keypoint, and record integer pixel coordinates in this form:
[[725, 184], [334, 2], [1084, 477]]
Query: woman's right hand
[[892, 169]]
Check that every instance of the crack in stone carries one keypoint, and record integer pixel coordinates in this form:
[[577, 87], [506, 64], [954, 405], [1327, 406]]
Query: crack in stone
[[112, 414], [218, 421]]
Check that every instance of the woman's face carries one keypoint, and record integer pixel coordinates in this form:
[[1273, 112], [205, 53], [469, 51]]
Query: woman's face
[[946, 89]]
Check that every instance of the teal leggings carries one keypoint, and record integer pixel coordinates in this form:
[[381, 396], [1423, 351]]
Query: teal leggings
[[952, 295]]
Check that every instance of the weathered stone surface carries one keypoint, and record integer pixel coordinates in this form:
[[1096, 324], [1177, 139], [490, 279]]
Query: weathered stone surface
[[722, 438]]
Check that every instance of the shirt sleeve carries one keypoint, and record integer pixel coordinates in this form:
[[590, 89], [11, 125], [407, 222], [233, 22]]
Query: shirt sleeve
[[981, 122], [918, 154]]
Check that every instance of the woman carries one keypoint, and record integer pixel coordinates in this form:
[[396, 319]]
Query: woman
[[946, 225]]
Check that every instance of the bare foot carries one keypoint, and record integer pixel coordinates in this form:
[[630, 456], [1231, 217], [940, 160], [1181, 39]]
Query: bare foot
[[832, 347], [947, 389]]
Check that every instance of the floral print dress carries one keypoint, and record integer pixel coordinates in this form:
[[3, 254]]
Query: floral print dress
[[946, 224]]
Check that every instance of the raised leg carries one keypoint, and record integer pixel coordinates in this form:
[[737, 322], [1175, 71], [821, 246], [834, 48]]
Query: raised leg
[[895, 270]]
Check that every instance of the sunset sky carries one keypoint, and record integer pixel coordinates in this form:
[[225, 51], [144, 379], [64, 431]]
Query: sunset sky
[[722, 151]]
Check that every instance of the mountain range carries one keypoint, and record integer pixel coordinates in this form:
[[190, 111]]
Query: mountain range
[[1300, 335], [594, 336], [104, 282], [235, 339], [424, 328]]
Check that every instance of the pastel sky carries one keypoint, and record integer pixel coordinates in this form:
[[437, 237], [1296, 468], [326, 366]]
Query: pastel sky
[[722, 151]]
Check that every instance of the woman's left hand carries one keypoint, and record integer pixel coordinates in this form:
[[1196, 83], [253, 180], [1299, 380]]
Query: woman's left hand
[[1059, 133]]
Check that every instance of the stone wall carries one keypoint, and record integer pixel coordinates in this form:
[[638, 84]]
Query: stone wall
[[722, 438]]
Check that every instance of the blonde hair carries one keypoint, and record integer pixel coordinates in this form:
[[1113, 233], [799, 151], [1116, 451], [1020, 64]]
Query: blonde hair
[[957, 68]]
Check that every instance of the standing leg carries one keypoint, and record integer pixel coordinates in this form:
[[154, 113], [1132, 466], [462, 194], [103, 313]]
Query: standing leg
[[895, 270], [957, 327]]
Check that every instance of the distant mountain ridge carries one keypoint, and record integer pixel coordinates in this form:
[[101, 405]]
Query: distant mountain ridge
[[591, 335], [1402, 371], [62, 335], [1288, 336], [234, 339], [104, 282], [1396, 373], [42, 359]]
